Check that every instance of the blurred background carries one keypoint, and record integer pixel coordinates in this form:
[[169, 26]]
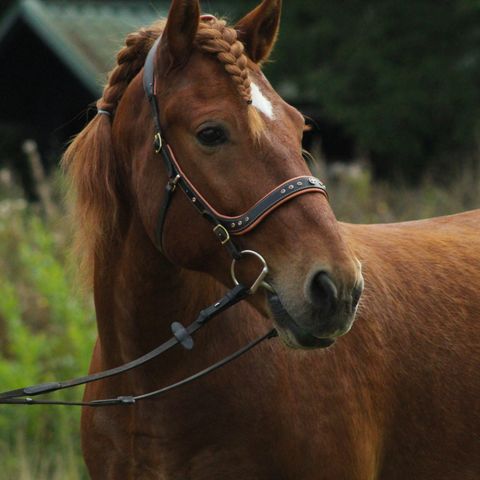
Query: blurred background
[[393, 87]]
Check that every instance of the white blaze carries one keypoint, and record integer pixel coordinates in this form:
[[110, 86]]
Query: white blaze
[[260, 102]]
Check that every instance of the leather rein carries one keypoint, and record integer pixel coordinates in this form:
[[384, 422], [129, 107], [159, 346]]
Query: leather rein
[[224, 227]]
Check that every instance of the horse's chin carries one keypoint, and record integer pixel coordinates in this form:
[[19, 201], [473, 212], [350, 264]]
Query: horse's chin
[[290, 332]]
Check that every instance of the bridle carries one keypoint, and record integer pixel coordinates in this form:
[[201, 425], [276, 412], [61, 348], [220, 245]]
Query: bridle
[[224, 227]]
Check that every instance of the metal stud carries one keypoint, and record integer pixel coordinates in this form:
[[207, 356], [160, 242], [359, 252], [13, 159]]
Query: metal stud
[[313, 180], [194, 199], [247, 219], [240, 223], [232, 225], [299, 184], [291, 187], [282, 190]]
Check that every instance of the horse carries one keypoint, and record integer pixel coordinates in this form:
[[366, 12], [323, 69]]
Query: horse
[[395, 398]]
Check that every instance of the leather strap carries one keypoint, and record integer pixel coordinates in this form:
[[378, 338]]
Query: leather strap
[[278, 196], [167, 198], [132, 399], [241, 224], [149, 82], [238, 225], [232, 297]]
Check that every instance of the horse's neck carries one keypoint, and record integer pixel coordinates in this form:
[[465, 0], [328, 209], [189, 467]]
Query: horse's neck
[[138, 294]]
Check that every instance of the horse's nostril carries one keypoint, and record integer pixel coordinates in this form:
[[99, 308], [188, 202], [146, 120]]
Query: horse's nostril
[[324, 294]]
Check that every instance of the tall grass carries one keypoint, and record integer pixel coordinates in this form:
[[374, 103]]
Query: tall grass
[[47, 327], [47, 331], [357, 199]]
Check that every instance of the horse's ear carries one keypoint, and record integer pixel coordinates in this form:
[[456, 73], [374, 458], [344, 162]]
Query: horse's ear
[[259, 29], [180, 30]]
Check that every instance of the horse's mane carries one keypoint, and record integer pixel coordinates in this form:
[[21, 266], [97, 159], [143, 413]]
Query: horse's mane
[[89, 160]]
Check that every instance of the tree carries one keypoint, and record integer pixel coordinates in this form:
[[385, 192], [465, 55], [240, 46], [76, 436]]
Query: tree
[[402, 77]]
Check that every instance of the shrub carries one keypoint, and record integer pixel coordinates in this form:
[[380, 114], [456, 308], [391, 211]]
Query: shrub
[[47, 331]]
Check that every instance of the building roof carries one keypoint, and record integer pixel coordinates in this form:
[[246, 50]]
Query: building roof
[[84, 34]]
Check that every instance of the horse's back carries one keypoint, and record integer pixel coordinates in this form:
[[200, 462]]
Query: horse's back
[[421, 309], [465, 223]]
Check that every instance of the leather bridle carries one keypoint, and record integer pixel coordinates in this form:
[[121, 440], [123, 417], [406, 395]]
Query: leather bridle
[[224, 227]]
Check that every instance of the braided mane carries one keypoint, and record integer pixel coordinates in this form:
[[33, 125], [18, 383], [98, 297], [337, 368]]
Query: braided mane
[[213, 36], [89, 160]]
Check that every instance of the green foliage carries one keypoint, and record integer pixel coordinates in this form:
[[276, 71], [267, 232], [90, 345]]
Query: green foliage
[[401, 77], [47, 332], [356, 198]]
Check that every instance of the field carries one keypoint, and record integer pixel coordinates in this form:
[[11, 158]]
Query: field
[[47, 325]]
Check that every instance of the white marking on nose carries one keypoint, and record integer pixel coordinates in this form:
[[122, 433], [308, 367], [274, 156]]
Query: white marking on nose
[[260, 102]]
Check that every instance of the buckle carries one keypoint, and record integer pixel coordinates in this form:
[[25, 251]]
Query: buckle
[[259, 282], [222, 234], [173, 182], [157, 142]]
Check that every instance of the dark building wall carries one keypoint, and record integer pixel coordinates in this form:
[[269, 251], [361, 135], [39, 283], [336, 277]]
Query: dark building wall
[[39, 95], [39, 99]]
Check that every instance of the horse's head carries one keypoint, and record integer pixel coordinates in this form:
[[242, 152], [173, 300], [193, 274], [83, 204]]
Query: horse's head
[[235, 140]]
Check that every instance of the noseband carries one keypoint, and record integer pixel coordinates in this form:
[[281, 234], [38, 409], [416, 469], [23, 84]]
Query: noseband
[[224, 227]]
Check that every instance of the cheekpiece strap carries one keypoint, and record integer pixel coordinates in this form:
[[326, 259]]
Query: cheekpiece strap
[[149, 83]]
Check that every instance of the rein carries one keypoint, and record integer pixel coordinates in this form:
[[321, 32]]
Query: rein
[[224, 227], [181, 335]]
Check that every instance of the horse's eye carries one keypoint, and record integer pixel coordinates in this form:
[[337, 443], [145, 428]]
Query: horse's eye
[[212, 136]]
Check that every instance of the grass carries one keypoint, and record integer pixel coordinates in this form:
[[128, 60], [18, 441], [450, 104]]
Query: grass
[[47, 330], [26, 459], [355, 198]]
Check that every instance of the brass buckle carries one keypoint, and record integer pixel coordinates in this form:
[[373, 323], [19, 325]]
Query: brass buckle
[[157, 142], [222, 233], [259, 282]]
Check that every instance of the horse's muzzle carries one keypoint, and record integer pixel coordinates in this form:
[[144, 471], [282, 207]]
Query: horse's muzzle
[[326, 312]]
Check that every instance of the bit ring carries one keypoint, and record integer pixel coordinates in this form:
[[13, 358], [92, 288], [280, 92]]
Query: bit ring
[[259, 282]]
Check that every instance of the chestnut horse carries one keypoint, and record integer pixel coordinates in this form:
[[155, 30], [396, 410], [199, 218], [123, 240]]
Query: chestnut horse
[[397, 398]]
